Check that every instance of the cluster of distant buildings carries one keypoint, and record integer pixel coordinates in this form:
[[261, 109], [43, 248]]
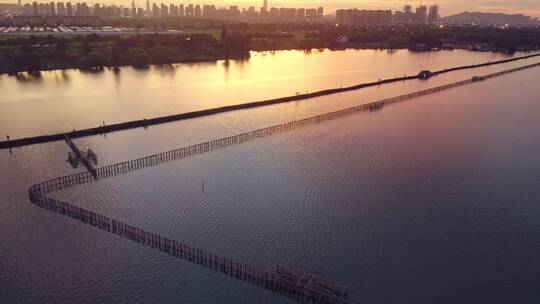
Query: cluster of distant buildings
[[422, 15], [84, 14], [233, 12]]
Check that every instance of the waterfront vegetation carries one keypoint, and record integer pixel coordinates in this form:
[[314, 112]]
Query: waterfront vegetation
[[213, 41], [35, 53]]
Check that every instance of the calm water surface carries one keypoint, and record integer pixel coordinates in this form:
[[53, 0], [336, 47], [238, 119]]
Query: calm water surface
[[434, 200], [60, 101]]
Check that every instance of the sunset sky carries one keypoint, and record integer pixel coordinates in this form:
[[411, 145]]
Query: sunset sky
[[528, 7]]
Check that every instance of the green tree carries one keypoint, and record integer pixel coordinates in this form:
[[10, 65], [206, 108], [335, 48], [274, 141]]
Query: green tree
[[61, 46], [224, 33], [93, 60], [162, 54], [27, 47], [51, 39], [138, 57], [115, 55], [85, 49], [306, 44], [32, 39], [33, 62], [26, 61], [92, 37]]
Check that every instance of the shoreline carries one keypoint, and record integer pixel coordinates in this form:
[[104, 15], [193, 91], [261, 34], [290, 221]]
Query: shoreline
[[206, 112], [98, 69], [209, 60]]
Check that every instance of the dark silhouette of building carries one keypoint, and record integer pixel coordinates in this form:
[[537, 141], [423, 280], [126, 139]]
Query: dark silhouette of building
[[352, 17]]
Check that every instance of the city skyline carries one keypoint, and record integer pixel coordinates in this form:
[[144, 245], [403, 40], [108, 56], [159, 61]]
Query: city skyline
[[153, 9], [526, 7]]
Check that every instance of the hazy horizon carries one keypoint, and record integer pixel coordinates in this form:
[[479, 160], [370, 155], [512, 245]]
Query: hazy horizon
[[448, 7]]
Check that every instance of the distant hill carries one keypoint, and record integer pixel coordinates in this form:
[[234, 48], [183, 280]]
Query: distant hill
[[491, 18]]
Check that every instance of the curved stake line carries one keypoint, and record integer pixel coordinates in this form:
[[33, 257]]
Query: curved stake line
[[300, 286], [206, 112]]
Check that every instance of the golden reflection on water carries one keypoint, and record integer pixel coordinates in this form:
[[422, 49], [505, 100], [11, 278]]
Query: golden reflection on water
[[54, 101]]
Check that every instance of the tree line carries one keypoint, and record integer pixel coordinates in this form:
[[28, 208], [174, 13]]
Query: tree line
[[93, 51]]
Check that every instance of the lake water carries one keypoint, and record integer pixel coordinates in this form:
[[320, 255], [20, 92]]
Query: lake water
[[61, 101], [434, 200]]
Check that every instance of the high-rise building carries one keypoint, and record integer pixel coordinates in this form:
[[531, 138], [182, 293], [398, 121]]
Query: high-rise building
[[421, 14], [265, 5], [251, 13], [164, 10], [148, 12], [85, 11], [274, 14], [311, 14], [69, 9], [28, 9], [352, 17], [408, 9], [46, 10], [35, 8], [289, 14], [181, 10], [133, 9], [407, 16], [209, 11], [98, 10], [60, 9], [433, 14], [320, 12], [234, 12], [52, 8], [197, 12], [301, 15]]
